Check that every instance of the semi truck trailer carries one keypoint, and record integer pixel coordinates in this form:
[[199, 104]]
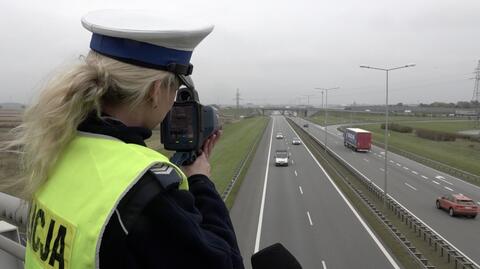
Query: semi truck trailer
[[357, 139]]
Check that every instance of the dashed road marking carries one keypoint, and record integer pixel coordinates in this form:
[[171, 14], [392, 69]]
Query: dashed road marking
[[425, 177], [406, 168], [293, 162], [398, 164], [366, 160], [383, 152], [296, 173], [324, 265], [309, 218], [439, 177], [448, 188], [412, 187], [446, 182], [391, 161], [415, 172], [435, 182], [300, 188], [381, 169]]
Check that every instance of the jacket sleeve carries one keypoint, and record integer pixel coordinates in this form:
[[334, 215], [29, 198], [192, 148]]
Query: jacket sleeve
[[186, 229]]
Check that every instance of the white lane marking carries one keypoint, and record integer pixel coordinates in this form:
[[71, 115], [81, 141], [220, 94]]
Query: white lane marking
[[292, 162], [412, 187], [296, 173], [415, 172], [398, 164], [425, 177], [435, 182], [406, 168], [379, 244], [262, 205], [446, 182], [324, 265], [309, 219], [383, 152], [391, 161], [300, 188], [357, 215], [439, 177], [366, 160], [381, 169], [448, 188]]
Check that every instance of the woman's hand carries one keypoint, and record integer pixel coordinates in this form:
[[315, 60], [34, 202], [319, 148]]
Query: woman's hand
[[201, 165]]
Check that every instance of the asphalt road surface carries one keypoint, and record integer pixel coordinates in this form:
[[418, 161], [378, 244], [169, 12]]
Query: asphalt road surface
[[416, 187], [300, 207]]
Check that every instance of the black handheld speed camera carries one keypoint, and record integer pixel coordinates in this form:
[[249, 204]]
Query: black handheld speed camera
[[187, 125]]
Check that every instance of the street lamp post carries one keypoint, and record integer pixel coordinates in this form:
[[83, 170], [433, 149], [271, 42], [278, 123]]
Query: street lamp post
[[326, 112], [385, 193]]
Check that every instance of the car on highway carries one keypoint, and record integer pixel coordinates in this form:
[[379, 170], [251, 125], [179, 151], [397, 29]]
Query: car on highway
[[457, 204], [305, 125], [296, 141], [279, 136], [281, 157]]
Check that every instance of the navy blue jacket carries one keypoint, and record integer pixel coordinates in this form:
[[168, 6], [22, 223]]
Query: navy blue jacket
[[171, 229]]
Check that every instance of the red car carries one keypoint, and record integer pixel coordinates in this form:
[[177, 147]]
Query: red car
[[458, 204]]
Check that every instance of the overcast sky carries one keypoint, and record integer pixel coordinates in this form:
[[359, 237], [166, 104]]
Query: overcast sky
[[273, 51]]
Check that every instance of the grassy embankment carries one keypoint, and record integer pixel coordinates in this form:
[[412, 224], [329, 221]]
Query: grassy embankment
[[347, 117], [238, 138], [461, 154]]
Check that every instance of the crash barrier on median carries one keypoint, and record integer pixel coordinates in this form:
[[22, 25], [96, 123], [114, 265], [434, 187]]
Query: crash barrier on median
[[464, 175], [436, 241], [241, 165], [417, 256]]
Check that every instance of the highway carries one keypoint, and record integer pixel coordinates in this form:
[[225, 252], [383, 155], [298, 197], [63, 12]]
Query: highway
[[300, 207], [415, 186]]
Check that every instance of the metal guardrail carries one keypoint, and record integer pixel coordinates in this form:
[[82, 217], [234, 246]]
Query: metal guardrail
[[13, 248], [439, 244], [241, 166], [14, 209]]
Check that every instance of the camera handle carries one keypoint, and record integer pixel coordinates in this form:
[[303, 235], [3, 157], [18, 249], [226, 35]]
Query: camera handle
[[183, 157]]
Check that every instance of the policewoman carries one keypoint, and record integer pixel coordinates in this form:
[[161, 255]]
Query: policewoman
[[100, 197]]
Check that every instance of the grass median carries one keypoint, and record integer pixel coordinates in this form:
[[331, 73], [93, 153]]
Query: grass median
[[237, 140]]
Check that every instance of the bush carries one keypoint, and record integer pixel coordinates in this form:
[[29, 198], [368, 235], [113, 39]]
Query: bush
[[435, 135], [397, 128]]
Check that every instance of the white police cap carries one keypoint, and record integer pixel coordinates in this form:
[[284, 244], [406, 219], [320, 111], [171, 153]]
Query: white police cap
[[146, 38]]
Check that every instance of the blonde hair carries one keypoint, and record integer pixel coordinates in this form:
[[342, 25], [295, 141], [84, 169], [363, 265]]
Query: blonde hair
[[51, 122]]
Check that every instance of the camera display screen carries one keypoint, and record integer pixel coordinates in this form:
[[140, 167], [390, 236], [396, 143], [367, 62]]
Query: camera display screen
[[182, 125]]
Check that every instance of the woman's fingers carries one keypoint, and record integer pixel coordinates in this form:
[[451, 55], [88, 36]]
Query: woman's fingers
[[210, 143]]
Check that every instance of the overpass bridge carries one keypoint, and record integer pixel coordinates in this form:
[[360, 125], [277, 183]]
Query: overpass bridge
[[301, 111]]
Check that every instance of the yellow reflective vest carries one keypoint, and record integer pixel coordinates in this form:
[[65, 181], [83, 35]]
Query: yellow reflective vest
[[69, 212]]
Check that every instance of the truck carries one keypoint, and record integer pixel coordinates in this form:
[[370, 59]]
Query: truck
[[357, 139]]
